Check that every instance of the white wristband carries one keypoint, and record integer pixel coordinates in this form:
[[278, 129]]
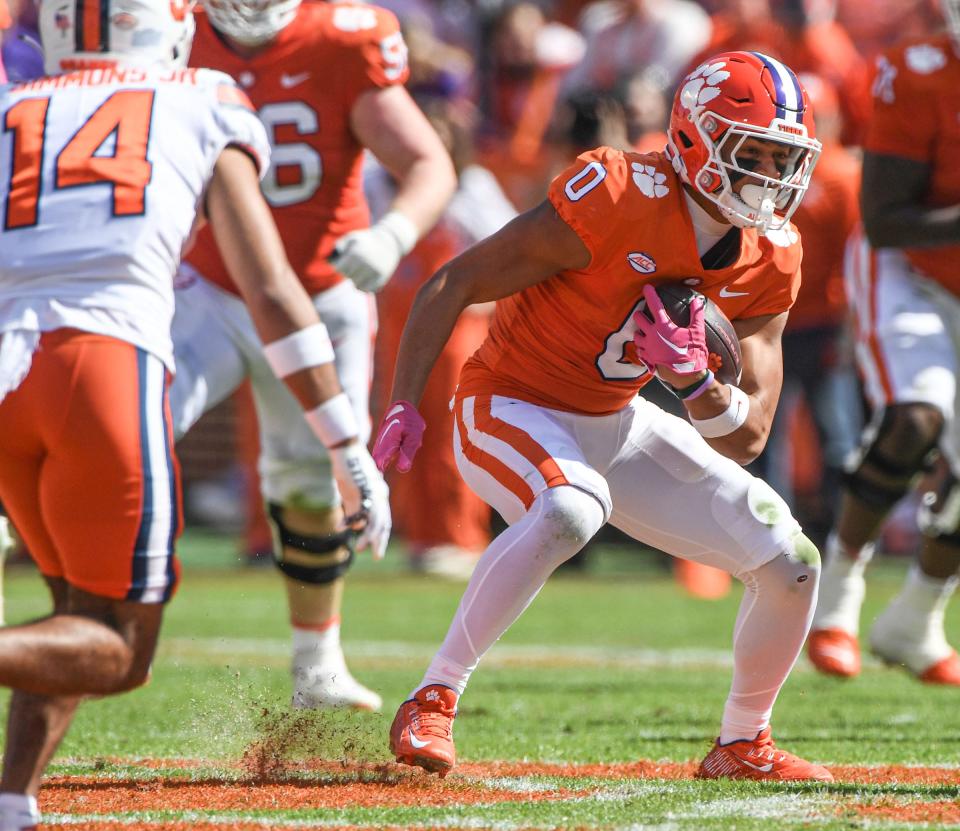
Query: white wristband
[[304, 348], [333, 421], [729, 420], [401, 229]]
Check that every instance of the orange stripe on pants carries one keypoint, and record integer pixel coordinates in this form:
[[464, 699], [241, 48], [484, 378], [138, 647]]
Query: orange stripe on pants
[[520, 441]]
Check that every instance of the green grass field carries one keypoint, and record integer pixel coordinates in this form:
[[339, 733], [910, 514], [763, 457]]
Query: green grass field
[[609, 667]]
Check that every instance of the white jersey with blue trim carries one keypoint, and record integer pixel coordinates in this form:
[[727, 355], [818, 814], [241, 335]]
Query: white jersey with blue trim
[[102, 173]]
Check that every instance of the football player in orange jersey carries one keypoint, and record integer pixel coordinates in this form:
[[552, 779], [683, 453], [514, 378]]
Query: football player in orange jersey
[[87, 469], [904, 285], [817, 353], [549, 428], [327, 81]]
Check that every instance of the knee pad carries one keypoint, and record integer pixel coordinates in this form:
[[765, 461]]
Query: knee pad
[[796, 568], [573, 515], [939, 512], [564, 519], [898, 450], [309, 546]]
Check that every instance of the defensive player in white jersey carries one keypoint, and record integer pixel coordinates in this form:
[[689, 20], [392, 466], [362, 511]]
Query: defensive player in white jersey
[[327, 80], [106, 163]]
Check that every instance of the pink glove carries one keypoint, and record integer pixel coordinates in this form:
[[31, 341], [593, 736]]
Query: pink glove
[[661, 342], [400, 436]]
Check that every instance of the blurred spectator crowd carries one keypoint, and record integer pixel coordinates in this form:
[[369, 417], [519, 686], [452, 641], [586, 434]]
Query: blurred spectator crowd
[[517, 88]]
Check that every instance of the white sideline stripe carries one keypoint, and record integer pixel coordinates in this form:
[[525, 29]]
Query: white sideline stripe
[[226, 818], [274, 649], [276, 652]]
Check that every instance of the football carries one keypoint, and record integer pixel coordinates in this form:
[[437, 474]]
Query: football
[[726, 360]]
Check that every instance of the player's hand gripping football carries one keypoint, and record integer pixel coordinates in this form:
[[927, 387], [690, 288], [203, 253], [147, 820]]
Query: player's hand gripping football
[[662, 344], [370, 256], [366, 498], [400, 436]]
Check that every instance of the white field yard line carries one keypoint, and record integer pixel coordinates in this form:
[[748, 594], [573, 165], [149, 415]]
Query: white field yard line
[[274, 651], [787, 807], [523, 784], [166, 818]]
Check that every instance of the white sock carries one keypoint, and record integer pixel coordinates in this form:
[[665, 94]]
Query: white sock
[[317, 647], [772, 624], [842, 587], [446, 672], [910, 629], [18, 810], [923, 595], [508, 577]]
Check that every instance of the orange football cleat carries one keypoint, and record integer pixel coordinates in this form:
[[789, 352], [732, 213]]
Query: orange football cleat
[[701, 581], [834, 652], [422, 730], [946, 671], [758, 759]]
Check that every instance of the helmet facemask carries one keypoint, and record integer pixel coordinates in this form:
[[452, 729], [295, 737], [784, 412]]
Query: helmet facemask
[[251, 22], [763, 202]]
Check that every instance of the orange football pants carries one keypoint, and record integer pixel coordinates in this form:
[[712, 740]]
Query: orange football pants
[[87, 470]]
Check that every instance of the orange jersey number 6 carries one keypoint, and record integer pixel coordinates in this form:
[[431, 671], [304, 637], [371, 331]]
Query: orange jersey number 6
[[126, 115]]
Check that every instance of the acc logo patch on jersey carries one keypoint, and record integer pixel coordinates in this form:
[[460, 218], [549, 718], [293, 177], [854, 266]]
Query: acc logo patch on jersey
[[649, 180], [925, 58], [642, 262]]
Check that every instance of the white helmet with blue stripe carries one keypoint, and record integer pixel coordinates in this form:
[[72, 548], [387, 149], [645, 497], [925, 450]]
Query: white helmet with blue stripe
[[728, 99]]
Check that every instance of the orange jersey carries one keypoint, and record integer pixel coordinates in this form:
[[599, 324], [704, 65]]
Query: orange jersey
[[826, 218], [916, 102], [304, 86], [567, 343]]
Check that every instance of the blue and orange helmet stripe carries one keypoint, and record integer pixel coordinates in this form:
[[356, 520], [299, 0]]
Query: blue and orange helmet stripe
[[789, 103], [92, 25]]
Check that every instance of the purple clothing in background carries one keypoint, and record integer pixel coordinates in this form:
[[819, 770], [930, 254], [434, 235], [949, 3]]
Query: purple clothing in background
[[22, 59]]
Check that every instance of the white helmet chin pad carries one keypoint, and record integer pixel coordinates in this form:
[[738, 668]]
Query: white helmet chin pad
[[752, 208]]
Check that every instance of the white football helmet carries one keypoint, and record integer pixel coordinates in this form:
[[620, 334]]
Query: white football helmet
[[98, 33], [251, 22]]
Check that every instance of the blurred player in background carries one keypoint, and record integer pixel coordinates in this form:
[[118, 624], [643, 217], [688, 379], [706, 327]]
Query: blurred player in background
[[105, 164], [6, 536], [327, 81], [550, 431], [817, 353], [904, 287], [446, 533]]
